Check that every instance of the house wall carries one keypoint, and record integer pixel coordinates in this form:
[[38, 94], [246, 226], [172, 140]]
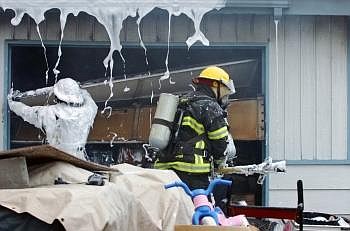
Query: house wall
[[306, 91], [326, 188]]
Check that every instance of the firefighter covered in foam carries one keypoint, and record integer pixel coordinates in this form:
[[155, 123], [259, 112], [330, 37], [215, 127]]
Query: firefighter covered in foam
[[66, 123]]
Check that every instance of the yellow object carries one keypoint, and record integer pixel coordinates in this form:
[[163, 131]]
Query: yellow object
[[218, 74]]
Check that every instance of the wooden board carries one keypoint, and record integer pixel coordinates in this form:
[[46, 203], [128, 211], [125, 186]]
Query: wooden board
[[246, 119], [45, 153], [119, 125]]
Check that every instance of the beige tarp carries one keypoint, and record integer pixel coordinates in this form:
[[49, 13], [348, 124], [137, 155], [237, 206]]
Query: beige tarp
[[134, 199]]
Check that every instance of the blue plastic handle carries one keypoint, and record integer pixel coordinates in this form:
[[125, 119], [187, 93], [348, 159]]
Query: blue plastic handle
[[180, 184], [216, 182], [191, 193]]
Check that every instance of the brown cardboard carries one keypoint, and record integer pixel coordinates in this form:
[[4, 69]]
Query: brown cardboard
[[45, 153]]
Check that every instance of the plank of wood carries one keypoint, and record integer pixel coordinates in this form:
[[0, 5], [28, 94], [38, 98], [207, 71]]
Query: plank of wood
[[245, 120], [13, 173], [45, 153]]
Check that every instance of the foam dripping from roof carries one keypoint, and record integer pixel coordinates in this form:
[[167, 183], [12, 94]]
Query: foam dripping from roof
[[111, 15]]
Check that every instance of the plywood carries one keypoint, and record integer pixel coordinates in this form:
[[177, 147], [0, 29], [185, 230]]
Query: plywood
[[246, 119], [118, 126], [145, 121], [44, 153]]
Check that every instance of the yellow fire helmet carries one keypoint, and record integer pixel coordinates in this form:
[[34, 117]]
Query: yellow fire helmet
[[218, 74]]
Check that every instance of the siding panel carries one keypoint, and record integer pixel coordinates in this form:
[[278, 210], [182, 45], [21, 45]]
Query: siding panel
[[130, 28], [324, 87], [326, 188], [339, 94], [70, 30], [53, 25], [21, 31], [308, 88], [85, 27], [320, 201], [148, 29], [276, 94], [308, 174], [228, 27], [186, 25], [100, 32], [260, 28], [244, 28], [212, 28], [292, 88]]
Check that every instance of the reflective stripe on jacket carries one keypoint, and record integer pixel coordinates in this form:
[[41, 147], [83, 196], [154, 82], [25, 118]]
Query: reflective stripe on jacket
[[203, 133]]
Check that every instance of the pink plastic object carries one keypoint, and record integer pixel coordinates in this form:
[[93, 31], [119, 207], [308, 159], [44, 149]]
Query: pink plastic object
[[239, 220], [202, 200]]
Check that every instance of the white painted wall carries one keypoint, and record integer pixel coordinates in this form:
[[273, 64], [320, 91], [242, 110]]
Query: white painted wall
[[308, 99], [326, 188]]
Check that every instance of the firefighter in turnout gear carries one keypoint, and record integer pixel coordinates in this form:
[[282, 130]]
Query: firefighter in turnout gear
[[202, 134]]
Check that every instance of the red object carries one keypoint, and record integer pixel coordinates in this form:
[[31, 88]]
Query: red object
[[264, 212]]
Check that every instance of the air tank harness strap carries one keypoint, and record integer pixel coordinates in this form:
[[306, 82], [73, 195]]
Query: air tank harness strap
[[163, 122], [192, 141]]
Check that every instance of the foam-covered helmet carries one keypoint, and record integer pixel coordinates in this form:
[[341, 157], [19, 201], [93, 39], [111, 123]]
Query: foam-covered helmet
[[220, 75], [68, 90]]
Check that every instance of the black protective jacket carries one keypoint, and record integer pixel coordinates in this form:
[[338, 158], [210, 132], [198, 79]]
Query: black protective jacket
[[203, 133]]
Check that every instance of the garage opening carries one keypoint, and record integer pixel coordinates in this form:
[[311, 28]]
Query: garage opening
[[118, 138]]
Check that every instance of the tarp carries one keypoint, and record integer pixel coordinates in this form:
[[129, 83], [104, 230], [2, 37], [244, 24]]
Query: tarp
[[134, 199]]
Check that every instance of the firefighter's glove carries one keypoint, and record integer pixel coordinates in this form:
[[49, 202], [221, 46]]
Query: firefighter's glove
[[13, 95], [230, 151], [220, 163]]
